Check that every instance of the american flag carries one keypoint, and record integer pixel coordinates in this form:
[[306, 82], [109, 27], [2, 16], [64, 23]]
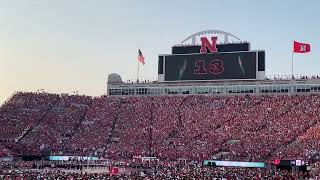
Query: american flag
[[140, 57]]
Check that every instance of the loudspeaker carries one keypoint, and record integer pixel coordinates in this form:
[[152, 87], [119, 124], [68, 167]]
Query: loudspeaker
[[261, 61], [160, 65]]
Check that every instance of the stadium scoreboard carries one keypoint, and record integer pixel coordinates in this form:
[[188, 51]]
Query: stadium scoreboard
[[211, 61]]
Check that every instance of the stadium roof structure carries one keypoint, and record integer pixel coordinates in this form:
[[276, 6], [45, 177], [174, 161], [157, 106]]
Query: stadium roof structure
[[225, 34]]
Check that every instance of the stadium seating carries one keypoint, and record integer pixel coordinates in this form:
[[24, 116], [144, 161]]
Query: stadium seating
[[4, 152], [249, 128], [95, 128], [22, 112], [58, 125], [307, 144]]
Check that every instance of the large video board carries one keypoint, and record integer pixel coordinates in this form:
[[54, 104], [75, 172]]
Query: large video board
[[215, 66]]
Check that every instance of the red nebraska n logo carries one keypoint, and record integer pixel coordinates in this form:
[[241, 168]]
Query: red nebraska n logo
[[206, 44]]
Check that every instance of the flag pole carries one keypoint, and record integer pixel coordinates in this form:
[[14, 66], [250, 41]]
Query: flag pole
[[292, 76], [138, 72], [292, 52]]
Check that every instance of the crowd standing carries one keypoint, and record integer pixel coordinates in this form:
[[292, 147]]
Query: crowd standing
[[189, 171], [247, 128], [169, 127]]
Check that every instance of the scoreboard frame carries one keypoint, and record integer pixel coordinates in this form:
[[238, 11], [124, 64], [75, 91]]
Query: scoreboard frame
[[258, 74]]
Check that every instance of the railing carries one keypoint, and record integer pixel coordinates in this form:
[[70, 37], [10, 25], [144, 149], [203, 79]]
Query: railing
[[22, 134], [268, 77], [141, 80], [289, 77]]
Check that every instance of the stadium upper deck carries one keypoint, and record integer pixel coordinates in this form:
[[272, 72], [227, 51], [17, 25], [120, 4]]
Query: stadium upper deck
[[254, 87]]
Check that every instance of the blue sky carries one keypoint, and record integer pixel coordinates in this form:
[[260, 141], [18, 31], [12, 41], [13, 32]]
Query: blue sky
[[64, 46]]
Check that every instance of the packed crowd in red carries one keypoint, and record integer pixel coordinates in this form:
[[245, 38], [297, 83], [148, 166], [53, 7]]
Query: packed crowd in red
[[247, 128], [167, 173], [157, 170]]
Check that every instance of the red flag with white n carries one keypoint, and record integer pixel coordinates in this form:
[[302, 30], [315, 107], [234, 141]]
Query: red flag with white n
[[301, 47]]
